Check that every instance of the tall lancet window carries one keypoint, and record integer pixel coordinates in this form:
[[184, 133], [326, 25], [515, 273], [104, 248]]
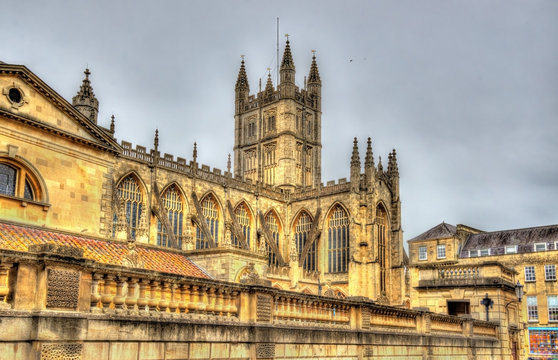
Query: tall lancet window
[[211, 214], [338, 240], [172, 201], [130, 196], [381, 220], [274, 228], [302, 235], [243, 219]]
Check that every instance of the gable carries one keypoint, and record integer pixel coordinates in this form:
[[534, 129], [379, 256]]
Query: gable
[[42, 107]]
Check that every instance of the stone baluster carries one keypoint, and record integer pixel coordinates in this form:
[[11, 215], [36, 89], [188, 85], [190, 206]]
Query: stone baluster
[[131, 296], [193, 304], [96, 285], [106, 298], [219, 302], [227, 303], [184, 298], [174, 298], [118, 299], [164, 298], [142, 298], [202, 299], [210, 307], [153, 301], [233, 302]]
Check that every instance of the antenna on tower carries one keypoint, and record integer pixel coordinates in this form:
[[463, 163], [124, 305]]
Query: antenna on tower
[[277, 74]]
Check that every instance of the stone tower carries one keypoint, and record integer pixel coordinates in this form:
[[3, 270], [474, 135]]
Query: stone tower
[[85, 100], [278, 130]]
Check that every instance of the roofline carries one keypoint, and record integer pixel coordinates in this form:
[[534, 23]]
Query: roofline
[[59, 101]]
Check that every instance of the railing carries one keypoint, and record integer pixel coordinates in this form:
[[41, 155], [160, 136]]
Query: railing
[[466, 272]]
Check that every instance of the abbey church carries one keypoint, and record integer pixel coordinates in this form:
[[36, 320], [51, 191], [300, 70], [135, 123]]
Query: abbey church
[[268, 214]]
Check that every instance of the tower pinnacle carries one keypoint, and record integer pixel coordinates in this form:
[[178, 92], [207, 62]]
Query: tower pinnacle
[[85, 100]]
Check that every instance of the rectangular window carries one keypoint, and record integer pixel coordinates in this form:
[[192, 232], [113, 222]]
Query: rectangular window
[[473, 253], [422, 253], [550, 272], [532, 308], [530, 274], [511, 249], [543, 341], [540, 247], [552, 308], [441, 251], [485, 252]]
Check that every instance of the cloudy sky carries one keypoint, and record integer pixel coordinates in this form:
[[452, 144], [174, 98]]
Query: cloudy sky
[[466, 91]]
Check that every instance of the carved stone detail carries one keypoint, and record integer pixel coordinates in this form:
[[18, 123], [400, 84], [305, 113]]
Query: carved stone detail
[[263, 308], [62, 288], [265, 351], [61, 351]]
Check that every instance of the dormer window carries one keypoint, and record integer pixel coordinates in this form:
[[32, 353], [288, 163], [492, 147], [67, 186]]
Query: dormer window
[[540, 247], [511, 249]]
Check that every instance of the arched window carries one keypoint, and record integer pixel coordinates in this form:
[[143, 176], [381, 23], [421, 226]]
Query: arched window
[[211, 215], [338, 240], [274, 228], [174, 207], [130, 196], [302, 233], [381, 220], [244, 220], [16, 181]]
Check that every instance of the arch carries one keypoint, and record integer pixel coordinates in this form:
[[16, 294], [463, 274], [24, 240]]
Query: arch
[[382, 205], [337, 227], [301, 230], [297, 214], [281, 221], [28, 182], [273, 223], [173, 201], [212, 213], [338, 293], [333, 205], [245, 220], [143, 185], [182, 194], [131, 192]]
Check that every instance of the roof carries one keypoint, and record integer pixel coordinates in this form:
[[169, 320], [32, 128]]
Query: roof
[[439, 231], [520, 237], [16, 237]]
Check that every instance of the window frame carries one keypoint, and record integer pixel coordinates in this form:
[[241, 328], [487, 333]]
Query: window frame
[[534, 276], [475, 252], [23, 178], [510, 252], [420, 253], [537, 244], [438, 248], [550, 272], [552, 311], [487, 250], [532, 310]]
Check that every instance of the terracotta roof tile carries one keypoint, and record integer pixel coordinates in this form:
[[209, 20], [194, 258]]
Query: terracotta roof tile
[[16, 237]]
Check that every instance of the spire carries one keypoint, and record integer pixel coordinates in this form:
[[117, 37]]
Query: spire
[[380, 166], [355, 158], [369, 159], [85, 100], [242, 80], [156, 140], [394, 167], [229, 163], [269, 83], [195, 153], [287, 62], [314, 76]]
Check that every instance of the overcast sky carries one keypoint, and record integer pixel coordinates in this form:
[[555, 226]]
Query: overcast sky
[[466, 91]]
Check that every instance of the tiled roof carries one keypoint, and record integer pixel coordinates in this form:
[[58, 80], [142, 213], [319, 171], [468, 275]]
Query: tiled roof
[[439, 231], [523, 238], [16, 237]]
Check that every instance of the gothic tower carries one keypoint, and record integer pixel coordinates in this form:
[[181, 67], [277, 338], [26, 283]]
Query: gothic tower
[[85, 100], [278, 130]]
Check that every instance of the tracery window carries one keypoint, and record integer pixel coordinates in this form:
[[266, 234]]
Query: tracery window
[[129, 192], [250, 164], [243, 219], [382, 253], [274, 228], [308, 166], [302, 234], [15, 181], [338, 240], [211, 214], [269, 164], [172, 201]]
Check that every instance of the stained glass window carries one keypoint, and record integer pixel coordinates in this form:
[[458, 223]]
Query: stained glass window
[[243, 219], [174, 208], [129, 192], [7, 180], [302, 233], [338, 240], [211, 215]]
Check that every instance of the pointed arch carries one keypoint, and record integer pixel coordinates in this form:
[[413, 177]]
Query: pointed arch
[[271, 223], [337, 227], [134, 173], [181, 192], [173, 201], [244, 217], [130, 194], [302, 230], [297, 214], [212, 216]]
